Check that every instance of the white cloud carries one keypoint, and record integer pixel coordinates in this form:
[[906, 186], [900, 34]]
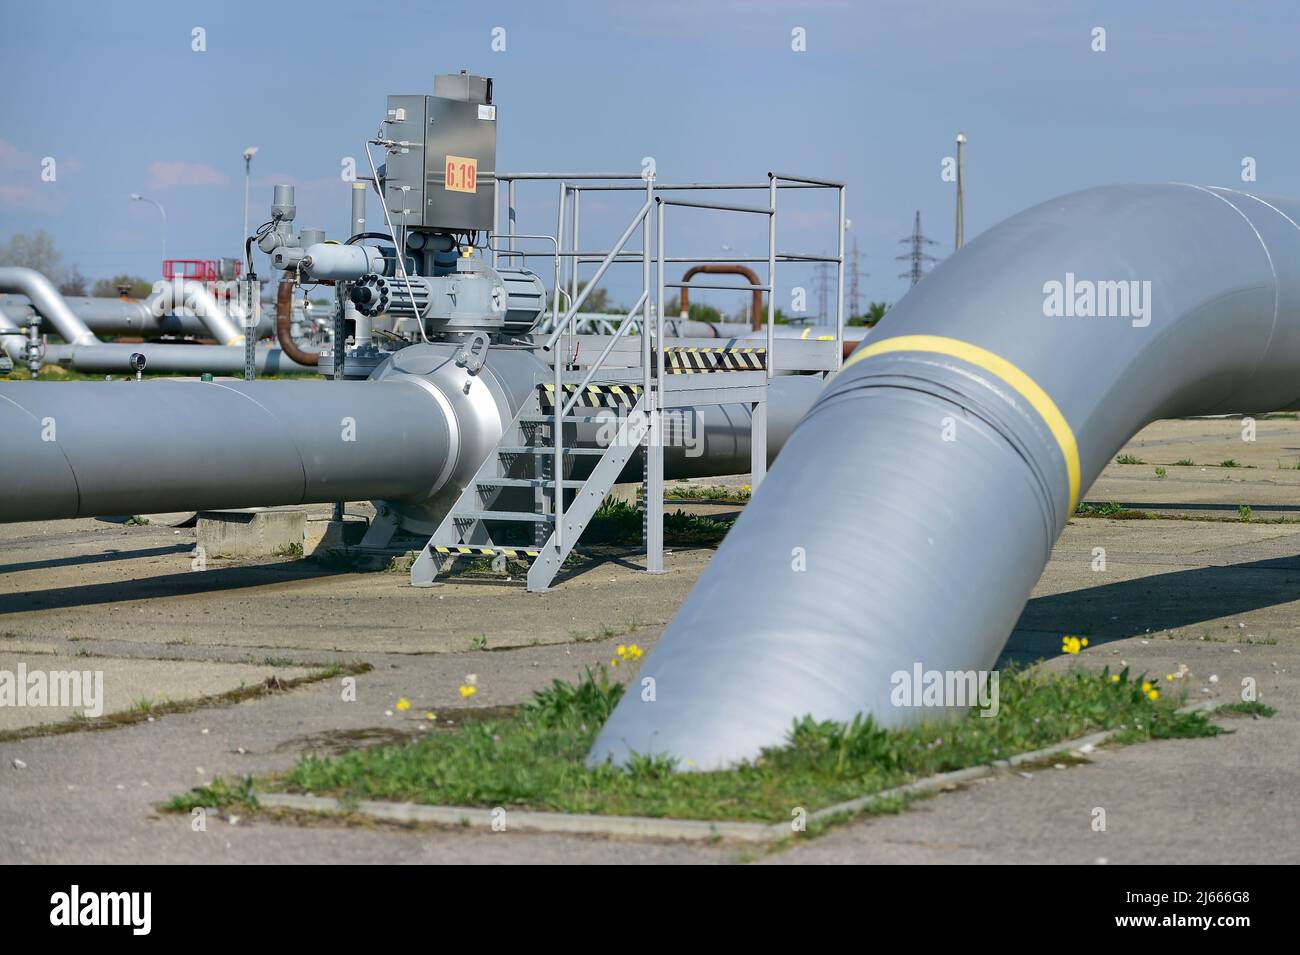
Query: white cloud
[[163, 175]]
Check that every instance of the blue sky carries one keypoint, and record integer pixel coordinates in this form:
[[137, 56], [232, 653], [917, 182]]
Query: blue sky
[[711, 90]]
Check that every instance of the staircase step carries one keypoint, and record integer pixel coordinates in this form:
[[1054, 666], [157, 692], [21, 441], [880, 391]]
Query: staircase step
[[466, 550], [521, 516], [543, 449], [524, 482]]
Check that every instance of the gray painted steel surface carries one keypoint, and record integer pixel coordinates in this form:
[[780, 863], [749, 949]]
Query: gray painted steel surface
[[422, 427], [112, 358], [48, 302], [80, 449], [916, 504], [118, 316]]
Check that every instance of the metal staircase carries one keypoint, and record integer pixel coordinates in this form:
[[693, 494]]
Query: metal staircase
[[551, 471], [528, 458]]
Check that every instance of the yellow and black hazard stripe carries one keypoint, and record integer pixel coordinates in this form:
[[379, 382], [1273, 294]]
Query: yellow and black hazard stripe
[[463, 550], [684, 360], [594, 396]]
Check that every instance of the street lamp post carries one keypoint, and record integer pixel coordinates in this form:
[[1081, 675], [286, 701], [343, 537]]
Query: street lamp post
[[249, 153], [961, 192], [135, 196]]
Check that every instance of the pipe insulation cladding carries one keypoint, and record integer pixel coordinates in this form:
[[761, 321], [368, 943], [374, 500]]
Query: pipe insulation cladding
[[916, 504], [85, 449], [411, 436], [114, 358], [48, 302]]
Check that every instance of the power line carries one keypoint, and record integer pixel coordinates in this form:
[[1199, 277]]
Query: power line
[[854, 275], [822, 273], [917, 256]]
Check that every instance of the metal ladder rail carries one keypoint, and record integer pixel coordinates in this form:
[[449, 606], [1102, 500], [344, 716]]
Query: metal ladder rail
[[428, 565], [627, 442]]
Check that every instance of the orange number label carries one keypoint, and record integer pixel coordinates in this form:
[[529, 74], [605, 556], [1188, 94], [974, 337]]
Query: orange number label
[[462, 174]]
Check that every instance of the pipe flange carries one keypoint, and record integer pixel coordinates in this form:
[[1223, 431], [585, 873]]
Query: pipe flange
[[370, 295]]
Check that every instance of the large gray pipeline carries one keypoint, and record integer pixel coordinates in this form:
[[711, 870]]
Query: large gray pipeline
[[113, 358], [48, 302], [81, 449], [916, 504], [418, 432], [13, 339], [223, 321], [127, 316]]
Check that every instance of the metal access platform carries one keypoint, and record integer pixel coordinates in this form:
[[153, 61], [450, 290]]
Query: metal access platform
[[581, 429]]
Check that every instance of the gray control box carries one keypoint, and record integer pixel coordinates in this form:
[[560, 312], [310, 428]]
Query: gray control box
[[445, 178]]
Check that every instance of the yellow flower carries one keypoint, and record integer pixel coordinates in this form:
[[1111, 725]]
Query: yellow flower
[[1146, 687], [467, 690], [626, 654], [430, 716], [1154, 694], [1084, 641], [403, 705], [1072, 644], [1114, 678], [1169, 676]]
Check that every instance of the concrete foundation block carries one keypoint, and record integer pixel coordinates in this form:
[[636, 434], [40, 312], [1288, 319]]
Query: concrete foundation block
[[327, 534], [252, 532]]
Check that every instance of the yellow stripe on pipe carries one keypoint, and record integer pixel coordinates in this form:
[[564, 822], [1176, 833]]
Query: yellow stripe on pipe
[[1013, 376]]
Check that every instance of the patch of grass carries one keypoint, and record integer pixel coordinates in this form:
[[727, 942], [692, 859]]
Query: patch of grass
[[1129, 459], [478, 642], [137, 520], [536, 758], [1111, 510], [721, 495], [617, 522], [219, 795], [1244, 513], [1206, 637], [1161, 473], [1258, 641], [692, 529], [293, 550], [401, 564], [1184, 463], [1246, 708], [608, 631], [277, 662], [1229, 463]]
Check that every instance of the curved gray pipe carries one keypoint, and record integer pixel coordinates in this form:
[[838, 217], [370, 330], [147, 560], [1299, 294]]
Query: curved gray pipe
[[12, 339], [916, 504], [122, 316], [223, 321], [113, 358], [47, 300]]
